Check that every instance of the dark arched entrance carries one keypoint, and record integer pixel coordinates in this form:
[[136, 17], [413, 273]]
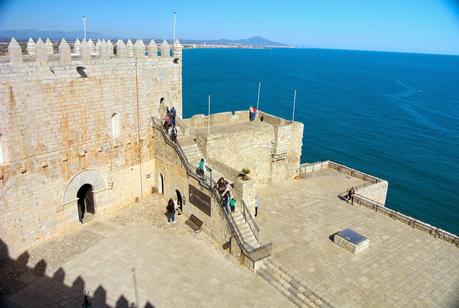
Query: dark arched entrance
[[85, 201], [179, 201]]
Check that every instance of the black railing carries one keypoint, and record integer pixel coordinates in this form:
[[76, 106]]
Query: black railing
[[253, 253]]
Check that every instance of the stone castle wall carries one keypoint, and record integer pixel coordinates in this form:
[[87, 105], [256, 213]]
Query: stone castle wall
[[57, 131], [171, 170], [271, 149]]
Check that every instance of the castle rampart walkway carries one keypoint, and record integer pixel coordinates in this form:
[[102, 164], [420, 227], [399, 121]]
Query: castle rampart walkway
[[402, 267]]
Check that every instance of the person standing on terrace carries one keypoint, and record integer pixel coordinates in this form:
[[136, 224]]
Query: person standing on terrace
[[251, 118]]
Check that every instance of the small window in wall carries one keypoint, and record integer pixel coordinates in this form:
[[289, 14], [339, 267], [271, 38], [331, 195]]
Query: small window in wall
[[115, 125]]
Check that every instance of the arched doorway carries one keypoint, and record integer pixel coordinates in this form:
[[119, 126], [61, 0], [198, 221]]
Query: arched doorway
[[85, 202], [179, 201], [161, 184]]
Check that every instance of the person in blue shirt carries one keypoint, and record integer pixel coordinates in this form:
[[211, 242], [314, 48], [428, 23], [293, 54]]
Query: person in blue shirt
[[201, 167]]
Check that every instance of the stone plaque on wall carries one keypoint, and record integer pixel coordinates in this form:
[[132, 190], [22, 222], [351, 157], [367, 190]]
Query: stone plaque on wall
[[199, 199]]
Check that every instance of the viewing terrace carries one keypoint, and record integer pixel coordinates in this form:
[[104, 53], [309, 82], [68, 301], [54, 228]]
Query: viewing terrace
[[403, 266]]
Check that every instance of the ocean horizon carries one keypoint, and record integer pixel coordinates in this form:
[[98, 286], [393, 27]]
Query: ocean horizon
[[393, 115]]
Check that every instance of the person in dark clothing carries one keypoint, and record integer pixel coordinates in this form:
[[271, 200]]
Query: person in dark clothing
[[225, 199], [170, 212], [350, 195], [221, 185], [173, 115], [174, 134]]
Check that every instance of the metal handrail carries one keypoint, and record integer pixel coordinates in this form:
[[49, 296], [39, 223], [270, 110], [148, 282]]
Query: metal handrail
[[254, 254], [250, 220]]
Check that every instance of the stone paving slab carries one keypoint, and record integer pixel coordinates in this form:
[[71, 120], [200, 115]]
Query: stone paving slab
[[402, 266], [135, 257]]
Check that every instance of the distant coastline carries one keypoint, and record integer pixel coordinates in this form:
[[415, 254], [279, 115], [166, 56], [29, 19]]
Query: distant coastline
[[22, 36], [236, 46]]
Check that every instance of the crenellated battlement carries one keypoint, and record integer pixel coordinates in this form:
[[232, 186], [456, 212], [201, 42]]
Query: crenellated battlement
[[43, 53]]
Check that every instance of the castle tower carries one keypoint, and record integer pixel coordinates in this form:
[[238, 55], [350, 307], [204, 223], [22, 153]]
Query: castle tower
[[94, 138]]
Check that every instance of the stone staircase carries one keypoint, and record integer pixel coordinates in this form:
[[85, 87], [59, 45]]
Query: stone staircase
[[191, 150], [243, 226], [194, 155], [290, 287]]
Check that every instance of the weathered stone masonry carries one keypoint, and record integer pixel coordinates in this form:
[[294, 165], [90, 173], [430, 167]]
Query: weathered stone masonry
[[57, 130]]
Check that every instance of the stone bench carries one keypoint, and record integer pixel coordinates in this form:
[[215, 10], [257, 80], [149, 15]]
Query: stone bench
[[351, 240]]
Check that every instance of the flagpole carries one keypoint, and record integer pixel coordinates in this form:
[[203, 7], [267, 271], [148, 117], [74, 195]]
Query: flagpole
[[84, 27], [294, 103], [258, 98], [174, 27], [208, 119]]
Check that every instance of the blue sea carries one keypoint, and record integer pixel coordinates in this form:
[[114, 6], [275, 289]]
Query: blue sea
[[392, 115]]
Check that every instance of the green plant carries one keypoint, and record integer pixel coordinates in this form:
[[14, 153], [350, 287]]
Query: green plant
[[245, 171]]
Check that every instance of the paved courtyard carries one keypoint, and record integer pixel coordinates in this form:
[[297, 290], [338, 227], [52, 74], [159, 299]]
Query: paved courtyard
[[132, 258], [402, 267]]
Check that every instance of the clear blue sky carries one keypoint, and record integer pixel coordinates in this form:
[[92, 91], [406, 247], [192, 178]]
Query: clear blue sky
[[430, 26]]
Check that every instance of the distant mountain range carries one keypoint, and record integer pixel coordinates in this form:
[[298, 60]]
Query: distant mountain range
[[73, 35], [255, 40]]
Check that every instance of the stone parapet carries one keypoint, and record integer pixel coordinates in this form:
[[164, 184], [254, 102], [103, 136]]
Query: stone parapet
[[91, 51], [373, 194], [410, 221]]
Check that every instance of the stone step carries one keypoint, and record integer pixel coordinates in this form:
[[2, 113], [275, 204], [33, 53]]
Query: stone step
[[293, 286], [244, 226], [281, 285], [248, 237]]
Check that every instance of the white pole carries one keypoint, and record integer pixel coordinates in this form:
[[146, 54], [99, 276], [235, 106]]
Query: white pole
[[258, 98], [84, 27], [174, 27], [294, 103], [208, 119]]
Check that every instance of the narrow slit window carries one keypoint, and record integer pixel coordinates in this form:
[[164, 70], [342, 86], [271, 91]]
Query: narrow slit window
[[115, 125]]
